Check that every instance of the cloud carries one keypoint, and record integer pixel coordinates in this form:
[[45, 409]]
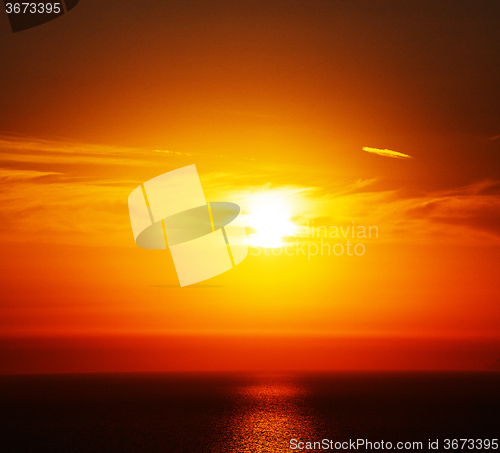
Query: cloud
[[64, 210], [37, 151], [472, 211], [166, 151], [463, 215], [7, 174], [386, 153], [88, 205]]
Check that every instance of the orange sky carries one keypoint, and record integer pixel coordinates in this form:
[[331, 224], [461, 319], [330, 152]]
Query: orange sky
[[273, 101]]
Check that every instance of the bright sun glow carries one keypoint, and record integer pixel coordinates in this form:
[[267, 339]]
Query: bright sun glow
[[270, 216]]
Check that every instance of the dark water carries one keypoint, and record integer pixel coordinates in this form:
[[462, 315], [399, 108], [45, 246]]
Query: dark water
[[242, 412]]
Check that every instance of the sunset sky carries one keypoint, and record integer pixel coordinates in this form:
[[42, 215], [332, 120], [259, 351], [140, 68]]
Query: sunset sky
[[324, 113]]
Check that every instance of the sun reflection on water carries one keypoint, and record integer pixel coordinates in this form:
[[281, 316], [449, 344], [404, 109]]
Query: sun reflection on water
[[270, 415]]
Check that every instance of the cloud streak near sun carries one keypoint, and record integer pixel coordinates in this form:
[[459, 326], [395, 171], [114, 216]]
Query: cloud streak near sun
[[77, 194], [386, 153]]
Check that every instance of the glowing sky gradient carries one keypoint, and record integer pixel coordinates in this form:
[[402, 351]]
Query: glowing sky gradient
[[274, 103]]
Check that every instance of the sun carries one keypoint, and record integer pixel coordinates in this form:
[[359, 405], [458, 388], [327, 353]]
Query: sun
[[270, 216]]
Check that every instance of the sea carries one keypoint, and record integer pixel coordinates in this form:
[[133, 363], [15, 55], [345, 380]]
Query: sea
[[250, 412]]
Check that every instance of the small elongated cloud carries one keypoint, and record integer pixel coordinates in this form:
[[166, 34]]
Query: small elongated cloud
[[7, 174], [386, 153]]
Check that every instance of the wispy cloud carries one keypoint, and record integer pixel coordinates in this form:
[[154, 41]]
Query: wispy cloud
[[88, 205], [31, 150], [469, 207], [166, 151], [460, 215], [7, 174], [386, 153], [63, 210]]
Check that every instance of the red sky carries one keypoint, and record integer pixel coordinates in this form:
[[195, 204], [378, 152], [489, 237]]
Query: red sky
[[271, 101]]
